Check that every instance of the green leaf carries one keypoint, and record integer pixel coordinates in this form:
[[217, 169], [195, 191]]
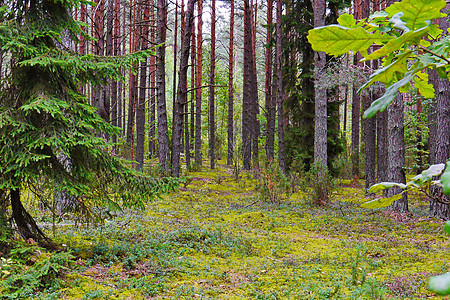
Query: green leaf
[[387, 74], [421, 82], [385, 185], [445, 180], [337, 40], [347, 20], [416, 12], [383, 102], [397, 43], [440, 284], [382, 202]]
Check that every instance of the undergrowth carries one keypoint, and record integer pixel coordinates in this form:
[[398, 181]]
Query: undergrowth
[[208, 241]]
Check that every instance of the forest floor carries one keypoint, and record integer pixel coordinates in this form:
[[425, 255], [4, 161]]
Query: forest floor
[[210, 240]]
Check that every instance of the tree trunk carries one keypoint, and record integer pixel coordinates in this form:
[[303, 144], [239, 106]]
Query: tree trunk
[[230, 126], [441, 140], [198, 92], [255, 129], [182, 92], [152, 103], [278, 82], [270, 109], [320, 120], [212, 74], [115, 32], [163, 134], [246, 102], [396, 152], [132, 82], [193, 74], [140, 113], [26, 226]]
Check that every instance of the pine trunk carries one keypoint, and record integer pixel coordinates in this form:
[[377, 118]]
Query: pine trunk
[[140, 113], [230, 125], [270, 110], [182, 91], [163, 134], [198, 91], [279, 87], [396, 152], [320, 120], [212, 74], [246, 102]]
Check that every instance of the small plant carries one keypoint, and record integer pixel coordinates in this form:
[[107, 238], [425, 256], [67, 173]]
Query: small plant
[[318, 184], [273, 183]]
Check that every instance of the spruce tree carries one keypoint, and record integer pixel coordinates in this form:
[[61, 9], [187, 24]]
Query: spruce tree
[[44, 117]]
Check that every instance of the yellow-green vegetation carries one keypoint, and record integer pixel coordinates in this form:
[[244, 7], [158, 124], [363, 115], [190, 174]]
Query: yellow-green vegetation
[[216, 239]]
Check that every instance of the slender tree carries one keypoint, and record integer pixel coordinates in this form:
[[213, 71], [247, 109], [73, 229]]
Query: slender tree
[[198, 92], [396, 152], [441, 145], [182, 91], [356, 107], [212, 74], [279, 86], [270, 109], [230, 126], [163, 134], [152, 102], [140, 112], [246, 93]]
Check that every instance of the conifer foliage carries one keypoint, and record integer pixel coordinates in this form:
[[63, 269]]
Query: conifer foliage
[[49, 134]]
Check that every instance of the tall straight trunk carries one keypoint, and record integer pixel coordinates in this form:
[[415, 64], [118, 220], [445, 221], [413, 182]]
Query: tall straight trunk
[[163, 134], [382, 146], [369, 125], [279, 87], [356, 107], [441, 141], [116, 51], [212, 74], [255, 129], [419, 141], [230, 131], [98, 96], [181, 91], [247, 93], [198, 91], [140, 113], [396, 152], [175, 50], [320, 119], [189, 126], [152, 102], [270, 110], [193, 74], [82, 44], [132, 82]]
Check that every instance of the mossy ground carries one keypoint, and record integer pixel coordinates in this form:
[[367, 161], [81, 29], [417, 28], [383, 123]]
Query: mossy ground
[[206, 241]]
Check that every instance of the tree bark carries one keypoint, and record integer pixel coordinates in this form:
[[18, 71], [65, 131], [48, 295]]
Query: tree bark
[[26, 226], [246, 102], [441, 140], [396, 152], [279, 87], [212, 74], [198, 92], [320, 119], [152, 103], [140, 113], [163, 134], [182, 89], [230, 125], [270, 109]]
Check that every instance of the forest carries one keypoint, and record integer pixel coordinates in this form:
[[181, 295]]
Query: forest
[[253, 149]]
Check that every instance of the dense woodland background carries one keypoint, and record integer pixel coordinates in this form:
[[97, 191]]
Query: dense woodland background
[[236, 81]]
